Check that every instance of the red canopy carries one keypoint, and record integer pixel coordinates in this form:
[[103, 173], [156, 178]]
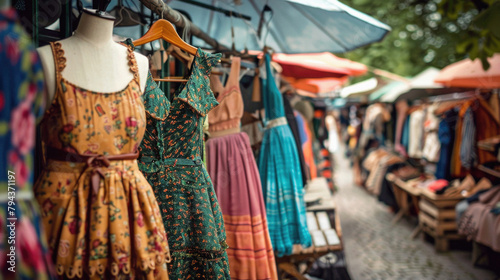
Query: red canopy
[[320, 85], [470, 74], [318, 65]]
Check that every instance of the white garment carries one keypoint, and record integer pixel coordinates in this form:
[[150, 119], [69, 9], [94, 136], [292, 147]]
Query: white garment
[[432, 145], [333, 137], [415, 145]]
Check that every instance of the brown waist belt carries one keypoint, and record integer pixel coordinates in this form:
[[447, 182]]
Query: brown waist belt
[[94, 162]]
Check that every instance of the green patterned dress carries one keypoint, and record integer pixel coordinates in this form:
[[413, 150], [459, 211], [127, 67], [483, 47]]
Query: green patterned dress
[[171, 160]]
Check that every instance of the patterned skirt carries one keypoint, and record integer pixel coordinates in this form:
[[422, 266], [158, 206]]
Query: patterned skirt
[[193, 220], [114, 234], [236, 180], [283, 190]]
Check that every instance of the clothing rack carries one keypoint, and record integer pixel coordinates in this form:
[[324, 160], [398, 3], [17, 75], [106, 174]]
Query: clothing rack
[[455, 96]]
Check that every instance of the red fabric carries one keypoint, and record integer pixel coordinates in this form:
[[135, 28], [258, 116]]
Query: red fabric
[[318, 65], [437, 185], [317, 85]]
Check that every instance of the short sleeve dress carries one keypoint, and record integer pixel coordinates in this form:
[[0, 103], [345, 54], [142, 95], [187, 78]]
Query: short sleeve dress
[[171, 159]]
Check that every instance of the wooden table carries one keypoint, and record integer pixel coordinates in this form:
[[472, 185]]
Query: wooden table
[[316, 189], [407, 195]]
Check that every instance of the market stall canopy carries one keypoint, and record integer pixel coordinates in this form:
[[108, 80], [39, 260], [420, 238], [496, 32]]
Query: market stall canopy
[[396, 86], [420, 86], [318, 65], [359, 89], [319, 85], [288, 26], [470, 74]]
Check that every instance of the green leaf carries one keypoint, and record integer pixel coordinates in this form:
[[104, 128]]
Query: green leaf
[[486, 64]]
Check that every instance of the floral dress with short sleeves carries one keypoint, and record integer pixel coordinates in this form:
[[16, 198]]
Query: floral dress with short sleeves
[[171, 160]]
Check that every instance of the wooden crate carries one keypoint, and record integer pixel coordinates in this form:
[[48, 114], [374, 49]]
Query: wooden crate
[[437, 218]]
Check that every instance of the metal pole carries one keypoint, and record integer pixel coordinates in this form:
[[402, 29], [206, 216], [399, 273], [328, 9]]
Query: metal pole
[[158, 6]]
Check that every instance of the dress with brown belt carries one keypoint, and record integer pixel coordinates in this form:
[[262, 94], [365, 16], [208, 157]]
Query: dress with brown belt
[[100, 214]]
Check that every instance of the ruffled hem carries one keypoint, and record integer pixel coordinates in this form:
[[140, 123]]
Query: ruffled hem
[[195, 265], [114, 269]]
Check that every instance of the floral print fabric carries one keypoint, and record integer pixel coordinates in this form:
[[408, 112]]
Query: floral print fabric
[[171, 159], [116, 232], [21, 102]]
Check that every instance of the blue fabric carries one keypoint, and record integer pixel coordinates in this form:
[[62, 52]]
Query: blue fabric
[[405, 136], [302, 131], [446, 134], [281, 177]]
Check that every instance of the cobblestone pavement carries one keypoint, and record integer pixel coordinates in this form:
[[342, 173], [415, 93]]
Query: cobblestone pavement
[[375, 249]]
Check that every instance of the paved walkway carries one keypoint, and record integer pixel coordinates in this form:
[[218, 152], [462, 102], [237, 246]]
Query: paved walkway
[[377, 250]]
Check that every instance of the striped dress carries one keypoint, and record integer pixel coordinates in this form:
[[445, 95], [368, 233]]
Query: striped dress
[[280, 174]]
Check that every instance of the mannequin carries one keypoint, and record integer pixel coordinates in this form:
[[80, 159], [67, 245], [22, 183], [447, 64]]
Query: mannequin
[[93, 60]]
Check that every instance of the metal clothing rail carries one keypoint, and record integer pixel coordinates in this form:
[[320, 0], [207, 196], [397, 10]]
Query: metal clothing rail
[[176, 18], [220, 10]]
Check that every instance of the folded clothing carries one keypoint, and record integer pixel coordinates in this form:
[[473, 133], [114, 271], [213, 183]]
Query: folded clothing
[[438, 185]]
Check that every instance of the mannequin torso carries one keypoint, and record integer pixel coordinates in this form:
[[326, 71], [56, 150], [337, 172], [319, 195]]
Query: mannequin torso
[[93, 60]]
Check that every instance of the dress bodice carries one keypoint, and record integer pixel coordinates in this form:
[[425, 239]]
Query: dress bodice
[[174, 130], [273, 102], [87, 122], [230, 110]]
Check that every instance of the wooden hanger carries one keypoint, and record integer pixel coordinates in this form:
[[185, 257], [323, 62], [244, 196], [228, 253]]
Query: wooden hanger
[[163, 29], [177, 53]]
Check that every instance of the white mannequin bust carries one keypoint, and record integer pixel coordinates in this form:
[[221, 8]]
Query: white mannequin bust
[[93, 60]]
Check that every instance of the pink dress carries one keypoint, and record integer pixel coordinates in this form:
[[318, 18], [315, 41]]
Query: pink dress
[[236, 180]]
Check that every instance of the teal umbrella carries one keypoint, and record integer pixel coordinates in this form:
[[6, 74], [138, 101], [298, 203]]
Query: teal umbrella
[[388, 89], [288, 26]]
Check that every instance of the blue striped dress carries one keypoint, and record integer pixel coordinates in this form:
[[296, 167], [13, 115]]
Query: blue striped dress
[[280, 173]]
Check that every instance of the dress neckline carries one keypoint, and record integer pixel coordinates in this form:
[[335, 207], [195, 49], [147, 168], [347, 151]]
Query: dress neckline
[[60, 64]]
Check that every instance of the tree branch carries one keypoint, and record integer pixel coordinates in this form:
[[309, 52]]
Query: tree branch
[[176, 18]]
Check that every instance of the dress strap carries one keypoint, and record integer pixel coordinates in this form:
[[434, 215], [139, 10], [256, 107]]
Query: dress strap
[[59, 58], [132, 62]]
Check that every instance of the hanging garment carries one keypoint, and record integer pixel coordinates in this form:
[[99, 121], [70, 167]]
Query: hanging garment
[[279, 169], [446, 136], [236, 180], [431, 143], [415, 143], [323, 154], [100, 215], [292, 122], [21, 104], [306, 139], [171, 160], [487, 127]]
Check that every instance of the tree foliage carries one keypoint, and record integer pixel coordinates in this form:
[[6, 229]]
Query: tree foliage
[[422, 35], [483, 34]]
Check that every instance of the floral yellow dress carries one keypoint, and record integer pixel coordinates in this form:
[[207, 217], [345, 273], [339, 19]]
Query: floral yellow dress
[[100, 214]]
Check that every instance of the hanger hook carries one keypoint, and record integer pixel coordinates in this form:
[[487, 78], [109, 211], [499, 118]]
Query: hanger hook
[[162, 8]]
